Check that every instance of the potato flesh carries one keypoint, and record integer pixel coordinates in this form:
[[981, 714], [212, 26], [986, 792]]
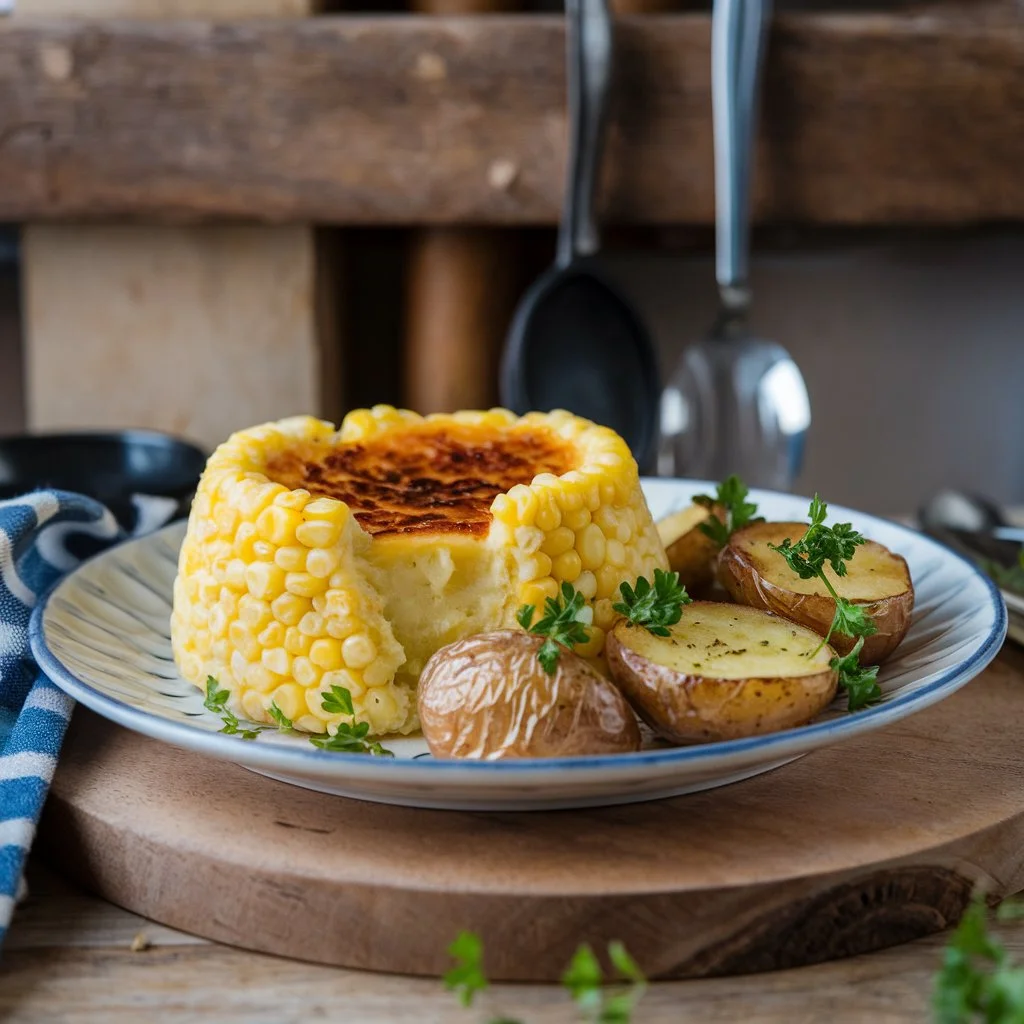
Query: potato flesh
[[873, 574], [732, 642]]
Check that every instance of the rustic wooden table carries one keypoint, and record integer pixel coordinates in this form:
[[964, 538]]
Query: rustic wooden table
[[73, 958]]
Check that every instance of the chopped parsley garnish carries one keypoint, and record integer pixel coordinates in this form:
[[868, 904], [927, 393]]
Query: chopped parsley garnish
[[654, 607]]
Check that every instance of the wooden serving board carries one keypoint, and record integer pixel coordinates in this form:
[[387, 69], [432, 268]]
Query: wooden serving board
[[865, 845]]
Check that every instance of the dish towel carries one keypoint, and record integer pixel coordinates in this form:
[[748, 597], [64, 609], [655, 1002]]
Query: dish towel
[[43, 536]]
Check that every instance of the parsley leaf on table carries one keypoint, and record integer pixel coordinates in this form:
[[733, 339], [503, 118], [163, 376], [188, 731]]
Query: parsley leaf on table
[[654, 607], [977, 980], [563, 625], [467, 977], [731, 495], [585, 981]]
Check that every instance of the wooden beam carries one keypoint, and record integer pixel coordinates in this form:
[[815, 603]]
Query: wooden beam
[[869, 119]]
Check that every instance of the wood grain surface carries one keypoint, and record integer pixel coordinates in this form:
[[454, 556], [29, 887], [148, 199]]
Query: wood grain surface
[[913, 116], [875, 842], [68, 959]]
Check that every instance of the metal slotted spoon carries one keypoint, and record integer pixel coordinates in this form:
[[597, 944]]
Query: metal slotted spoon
[[736, 403]]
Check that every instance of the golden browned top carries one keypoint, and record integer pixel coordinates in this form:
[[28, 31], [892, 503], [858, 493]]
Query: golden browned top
[[427, 479]]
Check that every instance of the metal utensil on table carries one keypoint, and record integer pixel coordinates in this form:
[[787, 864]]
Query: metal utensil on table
[[973, 525], [735, 403], [574, 342]]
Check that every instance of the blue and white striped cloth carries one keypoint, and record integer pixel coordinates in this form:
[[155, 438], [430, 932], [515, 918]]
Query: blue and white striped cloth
[[42, 536]]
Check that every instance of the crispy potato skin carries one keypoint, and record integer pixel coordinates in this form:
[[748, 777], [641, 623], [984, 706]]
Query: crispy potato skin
[[749, 583], [690, 553], [697, 709], [488, 697]]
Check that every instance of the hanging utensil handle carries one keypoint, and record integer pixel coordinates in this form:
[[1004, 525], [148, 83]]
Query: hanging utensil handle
[[588, 31], [738, 35]]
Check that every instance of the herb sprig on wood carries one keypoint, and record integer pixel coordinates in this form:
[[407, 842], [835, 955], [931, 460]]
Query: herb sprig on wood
[[583, 979]]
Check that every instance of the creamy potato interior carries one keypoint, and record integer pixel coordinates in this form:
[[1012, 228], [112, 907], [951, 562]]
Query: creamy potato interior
[[728, 641], [872, 574]]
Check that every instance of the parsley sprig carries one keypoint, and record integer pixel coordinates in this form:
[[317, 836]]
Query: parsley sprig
[[731, 495], [467, 977], [563, 625], [216, 701], [654, 607], [834, 545], [350, 737], [977, 980], [859, 681], [823, 545], [583, 979]]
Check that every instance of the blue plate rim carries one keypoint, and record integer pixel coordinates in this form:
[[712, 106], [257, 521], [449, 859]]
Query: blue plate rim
[[281, 756]]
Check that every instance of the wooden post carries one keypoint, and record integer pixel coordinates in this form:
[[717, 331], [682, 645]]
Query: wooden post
[[197, 330], [461, 288]]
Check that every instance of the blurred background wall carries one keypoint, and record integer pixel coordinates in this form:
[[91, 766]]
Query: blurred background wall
[[913, 352]]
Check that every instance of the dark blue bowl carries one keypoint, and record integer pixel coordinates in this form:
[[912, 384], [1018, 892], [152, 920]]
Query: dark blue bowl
[[111, 466]]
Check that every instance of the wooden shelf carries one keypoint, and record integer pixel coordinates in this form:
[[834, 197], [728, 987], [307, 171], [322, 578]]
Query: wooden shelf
[[868, 119]]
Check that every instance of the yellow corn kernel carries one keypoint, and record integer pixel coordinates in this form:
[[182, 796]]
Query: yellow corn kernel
[[344, 679], [535, 566], [615, 553], [591, 545], [288, 609], [308, 723], [304, 672], [243, 640], [272, 635], [264, 580], [302, 584], [252, 706], [594, 644], [278, 660], [559, 540], [377, 674], [260, 678], [322, 562], [312, 624], [291, 558], [290, 700], [277, 525], [254, 612], [326, 654], [608, 579], [604, 614], [296, 642], [381, 709], [536, 591], [548, 517], [318, 533], [567, 566], [586, 584], [576, 519], [358, 651], [294, 501]]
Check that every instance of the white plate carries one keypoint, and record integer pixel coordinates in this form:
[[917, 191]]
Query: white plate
[[102, 635]]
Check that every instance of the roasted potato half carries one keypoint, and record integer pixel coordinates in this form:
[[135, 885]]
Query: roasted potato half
[[725, 671], [488, 697], [875, 578], [690, 553]]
